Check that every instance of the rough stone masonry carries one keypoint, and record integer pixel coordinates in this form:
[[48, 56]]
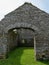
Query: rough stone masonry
[[30, 26]]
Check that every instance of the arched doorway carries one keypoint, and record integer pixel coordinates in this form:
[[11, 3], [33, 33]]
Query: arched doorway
[[21, 37]]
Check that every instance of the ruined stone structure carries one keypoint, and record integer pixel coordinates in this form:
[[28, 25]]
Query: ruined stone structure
[[25, 26]]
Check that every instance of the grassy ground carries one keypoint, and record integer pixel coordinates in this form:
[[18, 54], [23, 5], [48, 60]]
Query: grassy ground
[[22, 56]]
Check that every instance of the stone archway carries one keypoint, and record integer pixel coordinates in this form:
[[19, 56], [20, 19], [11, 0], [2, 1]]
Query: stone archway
[[16, 40], [23, 25], [23, 37]]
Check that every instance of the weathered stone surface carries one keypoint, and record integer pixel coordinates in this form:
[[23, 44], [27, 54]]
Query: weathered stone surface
[[27, 16]]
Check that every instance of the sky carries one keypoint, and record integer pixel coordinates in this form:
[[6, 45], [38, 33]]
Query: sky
[[7, 6]]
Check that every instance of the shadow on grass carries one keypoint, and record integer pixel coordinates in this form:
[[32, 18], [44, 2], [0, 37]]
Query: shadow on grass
[[18, 54], [15, 57], [46, 62]]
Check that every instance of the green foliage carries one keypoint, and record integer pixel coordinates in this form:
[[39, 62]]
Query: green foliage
[[22, 56]]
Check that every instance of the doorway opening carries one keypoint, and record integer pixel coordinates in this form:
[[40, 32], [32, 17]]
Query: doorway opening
[[21, 37]]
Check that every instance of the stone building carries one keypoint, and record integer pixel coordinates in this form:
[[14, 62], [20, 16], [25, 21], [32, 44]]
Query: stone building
[[25, 26]]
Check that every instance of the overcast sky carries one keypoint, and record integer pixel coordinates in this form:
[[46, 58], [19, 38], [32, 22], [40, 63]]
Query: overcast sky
[[7, 6]]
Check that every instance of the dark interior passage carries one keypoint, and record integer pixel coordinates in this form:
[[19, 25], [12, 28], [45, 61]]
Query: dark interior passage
[[21, 37], [26, 43]]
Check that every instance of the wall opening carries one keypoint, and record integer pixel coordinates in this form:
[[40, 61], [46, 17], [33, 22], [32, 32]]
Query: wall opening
[[21, 37]]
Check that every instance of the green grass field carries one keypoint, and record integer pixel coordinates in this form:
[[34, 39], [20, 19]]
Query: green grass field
[[22, 56]]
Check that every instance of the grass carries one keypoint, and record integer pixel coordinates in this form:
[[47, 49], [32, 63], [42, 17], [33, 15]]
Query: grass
[[22, 56]]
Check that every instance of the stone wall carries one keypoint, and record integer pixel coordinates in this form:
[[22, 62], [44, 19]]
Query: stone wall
[[42, 48], [3, 48], [27, 16]]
